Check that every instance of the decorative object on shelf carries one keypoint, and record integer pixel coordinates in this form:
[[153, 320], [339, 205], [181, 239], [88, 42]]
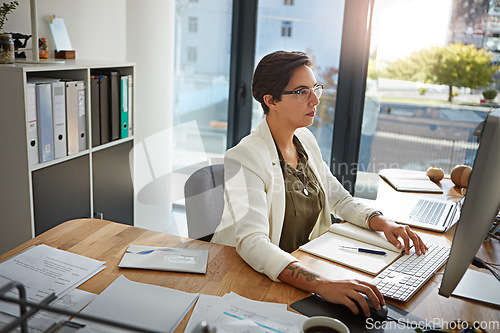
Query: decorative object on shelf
[[435, 174], [43, 48], [20, 41], [6, 49], [6, 41], [64, 54], [460, 175]]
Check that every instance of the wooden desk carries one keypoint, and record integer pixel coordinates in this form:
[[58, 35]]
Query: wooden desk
[[107, 241]]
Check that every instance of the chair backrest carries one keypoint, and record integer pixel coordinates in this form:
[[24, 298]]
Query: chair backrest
[[204, 200]]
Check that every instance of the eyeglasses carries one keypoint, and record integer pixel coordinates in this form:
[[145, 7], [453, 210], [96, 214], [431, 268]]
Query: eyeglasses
[[303, 94]]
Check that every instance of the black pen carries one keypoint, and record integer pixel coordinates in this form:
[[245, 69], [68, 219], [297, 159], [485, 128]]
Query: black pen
[[360, 249]]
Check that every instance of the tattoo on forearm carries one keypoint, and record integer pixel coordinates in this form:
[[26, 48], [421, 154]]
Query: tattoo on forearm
[[293, 269], [296, 272]]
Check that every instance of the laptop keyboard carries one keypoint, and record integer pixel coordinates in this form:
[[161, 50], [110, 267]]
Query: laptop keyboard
[[427, 211], [404, 277]]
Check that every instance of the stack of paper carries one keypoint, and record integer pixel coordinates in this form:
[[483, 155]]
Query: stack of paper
[[233, 313], [44, 270], [140, 305]]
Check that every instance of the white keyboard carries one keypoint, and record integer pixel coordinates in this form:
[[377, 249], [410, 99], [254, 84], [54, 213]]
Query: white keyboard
[[404, 277]]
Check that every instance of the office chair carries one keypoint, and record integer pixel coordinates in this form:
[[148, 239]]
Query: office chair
[[204, 199]]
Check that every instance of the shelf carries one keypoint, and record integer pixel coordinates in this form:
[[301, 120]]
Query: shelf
[[82, 153], [37, 197], [112, 143]]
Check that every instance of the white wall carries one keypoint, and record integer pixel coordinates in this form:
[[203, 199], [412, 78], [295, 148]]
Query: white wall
[[150, 44], [123, 30]]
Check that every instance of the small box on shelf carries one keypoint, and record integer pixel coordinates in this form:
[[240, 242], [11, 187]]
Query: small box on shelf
[[67, 54]]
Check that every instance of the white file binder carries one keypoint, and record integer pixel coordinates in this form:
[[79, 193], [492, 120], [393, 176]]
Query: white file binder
[[82, 119], [58, 92], [72, 116], [31, 124], [44, 125]]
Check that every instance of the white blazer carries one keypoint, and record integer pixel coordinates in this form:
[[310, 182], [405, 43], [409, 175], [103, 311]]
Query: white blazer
[[254, 200]]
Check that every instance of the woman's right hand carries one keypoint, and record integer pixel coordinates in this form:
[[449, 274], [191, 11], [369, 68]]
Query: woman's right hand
[[334, 291], [347, 291]]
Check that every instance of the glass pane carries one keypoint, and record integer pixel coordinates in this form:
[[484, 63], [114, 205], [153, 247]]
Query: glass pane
[[201, 92], [314, 27], [411, 121], [201, 80]]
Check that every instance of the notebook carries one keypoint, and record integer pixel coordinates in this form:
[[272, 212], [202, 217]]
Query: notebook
[[165, 259], [409, 181], [329, 246], [418, 211]]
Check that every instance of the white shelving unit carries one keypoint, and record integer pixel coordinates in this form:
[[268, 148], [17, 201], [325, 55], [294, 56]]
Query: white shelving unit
[[93, 182]]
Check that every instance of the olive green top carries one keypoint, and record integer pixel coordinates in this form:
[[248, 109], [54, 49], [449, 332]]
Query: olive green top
[[304, 200]]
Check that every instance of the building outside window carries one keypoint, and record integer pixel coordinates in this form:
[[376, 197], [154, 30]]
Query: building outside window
[[288, 2]]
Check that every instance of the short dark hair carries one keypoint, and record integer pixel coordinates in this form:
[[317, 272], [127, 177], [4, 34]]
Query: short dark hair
[[273, 74]]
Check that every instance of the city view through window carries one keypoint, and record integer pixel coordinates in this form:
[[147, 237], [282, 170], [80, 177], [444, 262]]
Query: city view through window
[[430, 62]]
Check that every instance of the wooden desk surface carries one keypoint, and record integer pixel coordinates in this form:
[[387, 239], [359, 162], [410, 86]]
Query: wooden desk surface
[[226, 271]]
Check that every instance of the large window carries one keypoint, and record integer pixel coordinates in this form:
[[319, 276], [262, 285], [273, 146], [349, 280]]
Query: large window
[[317, 30], [201, 91], [411, 121], [406, 122]]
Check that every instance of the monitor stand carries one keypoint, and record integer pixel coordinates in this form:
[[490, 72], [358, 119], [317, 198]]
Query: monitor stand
[[479, 286]]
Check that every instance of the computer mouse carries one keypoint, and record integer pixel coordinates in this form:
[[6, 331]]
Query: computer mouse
[[374, 313]]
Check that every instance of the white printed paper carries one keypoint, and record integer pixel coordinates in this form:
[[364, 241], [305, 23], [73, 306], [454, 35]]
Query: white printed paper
[[44, 270]]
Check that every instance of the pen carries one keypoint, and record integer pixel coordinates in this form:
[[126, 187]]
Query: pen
[[360, 249]]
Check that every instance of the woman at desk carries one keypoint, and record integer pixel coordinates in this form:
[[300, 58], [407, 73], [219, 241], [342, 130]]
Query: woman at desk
[[280, 193]]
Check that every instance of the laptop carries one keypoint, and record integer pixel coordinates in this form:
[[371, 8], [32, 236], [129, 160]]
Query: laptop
[[418, 211]]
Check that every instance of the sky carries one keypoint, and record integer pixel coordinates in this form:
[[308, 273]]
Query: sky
[[403, 26]]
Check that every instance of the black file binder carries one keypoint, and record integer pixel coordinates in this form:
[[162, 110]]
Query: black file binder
[[114, 95], [400, 320], [95, 114], [104, 109]]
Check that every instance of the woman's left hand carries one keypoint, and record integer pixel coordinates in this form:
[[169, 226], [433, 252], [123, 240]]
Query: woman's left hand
[[394, 231]]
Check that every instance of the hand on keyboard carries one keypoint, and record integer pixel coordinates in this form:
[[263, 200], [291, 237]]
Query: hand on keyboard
[[394, 231]]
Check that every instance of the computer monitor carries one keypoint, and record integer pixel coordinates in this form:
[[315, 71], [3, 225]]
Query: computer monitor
[[480, 207]]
